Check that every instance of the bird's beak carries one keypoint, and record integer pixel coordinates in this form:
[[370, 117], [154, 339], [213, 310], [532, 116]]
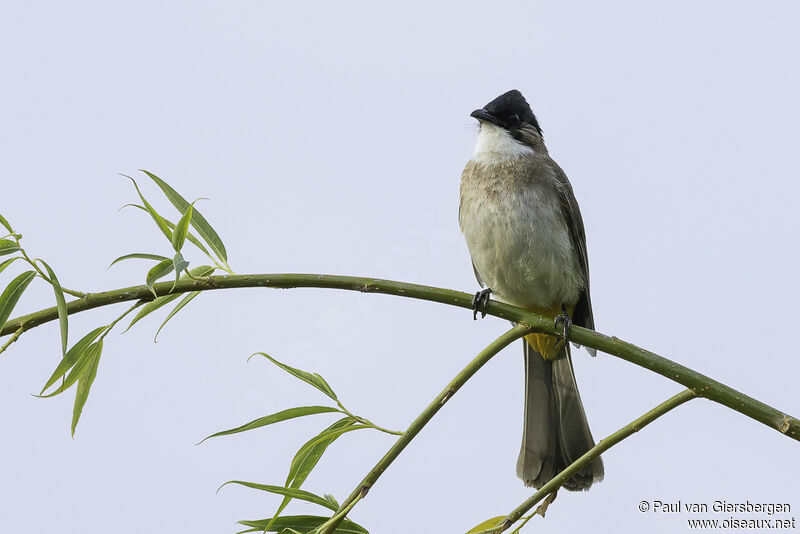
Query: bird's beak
[[485, 116]]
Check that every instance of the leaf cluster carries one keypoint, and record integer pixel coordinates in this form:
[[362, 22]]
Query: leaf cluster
[[304, 461], [79, 364]]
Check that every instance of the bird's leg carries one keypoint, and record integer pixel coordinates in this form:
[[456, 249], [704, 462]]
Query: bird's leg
[[567, 324], [479, 302]]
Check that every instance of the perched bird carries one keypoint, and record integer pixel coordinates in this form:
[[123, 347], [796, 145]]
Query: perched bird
[[526, 239]]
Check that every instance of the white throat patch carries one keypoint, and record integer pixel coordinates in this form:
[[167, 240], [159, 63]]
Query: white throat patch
[[496, 145]]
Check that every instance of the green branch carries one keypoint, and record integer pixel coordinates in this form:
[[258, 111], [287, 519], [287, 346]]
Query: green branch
[[605, 444], [15, 336], [698, 384], [427, 414], [702, 385]]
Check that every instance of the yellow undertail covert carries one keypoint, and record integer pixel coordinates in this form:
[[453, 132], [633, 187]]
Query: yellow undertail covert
[[546, 345]]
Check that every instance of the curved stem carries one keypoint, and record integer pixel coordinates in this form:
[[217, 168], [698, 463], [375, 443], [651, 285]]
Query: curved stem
[[702, 385], [379, 428], [73, 292], [366, 422], [594, 452], [15, 336], [422, 419], [46, 278]]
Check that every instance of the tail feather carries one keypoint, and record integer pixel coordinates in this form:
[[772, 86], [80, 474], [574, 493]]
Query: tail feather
[[537, 457], [555, 431]]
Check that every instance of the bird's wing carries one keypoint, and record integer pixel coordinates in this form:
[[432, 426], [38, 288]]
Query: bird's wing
[[474, 269], [582, 315]]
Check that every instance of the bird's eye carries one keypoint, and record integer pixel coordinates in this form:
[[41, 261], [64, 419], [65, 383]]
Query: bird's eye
[[515, 117]]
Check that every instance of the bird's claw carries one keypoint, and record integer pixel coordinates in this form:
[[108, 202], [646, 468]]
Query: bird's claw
[[479, 302], [567, 324]]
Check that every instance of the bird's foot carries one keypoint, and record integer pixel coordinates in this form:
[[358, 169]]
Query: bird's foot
[[479, 302], [566, 321]]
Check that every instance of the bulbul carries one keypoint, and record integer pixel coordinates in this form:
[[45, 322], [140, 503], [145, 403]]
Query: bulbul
[[528, 247]]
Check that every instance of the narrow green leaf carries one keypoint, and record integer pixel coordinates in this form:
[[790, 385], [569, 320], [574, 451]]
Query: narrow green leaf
[[199, 271], [140, 255], [186, 300], [489, 523], [326, 388], [309, 455], [292, 492], [12, 293], [4, 222], [199, 222], [133, 205], [310, 378], [72, 356], [303, 523], [189, 235], [161, 269], [81, 367], [8, 262], [153, 213], [331, 499], [284, 415], [179, 264], [85, 383], [153, 305], [8, 247], [182, 229], [61, 305]]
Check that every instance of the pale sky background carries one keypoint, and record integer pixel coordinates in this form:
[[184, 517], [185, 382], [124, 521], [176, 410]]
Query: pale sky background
[[330, 138]]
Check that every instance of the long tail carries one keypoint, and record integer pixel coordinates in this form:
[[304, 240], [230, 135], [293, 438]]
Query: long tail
[[555, 432]]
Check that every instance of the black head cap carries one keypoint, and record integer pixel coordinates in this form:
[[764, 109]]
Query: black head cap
[[509, 110]]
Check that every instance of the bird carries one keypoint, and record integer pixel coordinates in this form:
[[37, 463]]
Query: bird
[[527, 242]]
